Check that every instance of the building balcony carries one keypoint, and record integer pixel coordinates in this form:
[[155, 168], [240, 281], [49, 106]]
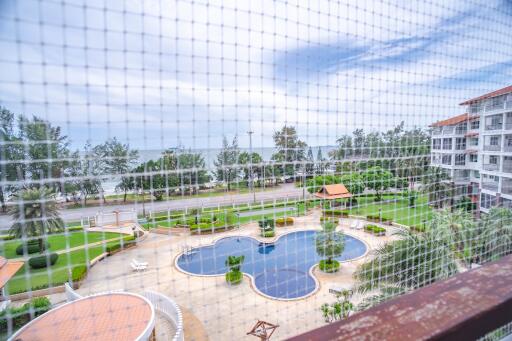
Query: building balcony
[[492, 148], [448, 130], [490, 185], [491, 167], [508, 126], [507, 148], [507, 167], [498, 126], [507, 189]]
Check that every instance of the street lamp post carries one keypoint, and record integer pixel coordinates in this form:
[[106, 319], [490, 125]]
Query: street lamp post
[[251, 178]]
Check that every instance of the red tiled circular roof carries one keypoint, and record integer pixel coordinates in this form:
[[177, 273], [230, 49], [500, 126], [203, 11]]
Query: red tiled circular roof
[[112, 317]]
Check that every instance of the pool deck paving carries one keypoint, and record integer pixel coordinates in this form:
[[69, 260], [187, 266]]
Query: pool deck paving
[[222, 312]]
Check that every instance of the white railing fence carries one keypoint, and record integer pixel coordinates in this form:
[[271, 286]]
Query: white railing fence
[[71, 295], [169, 309]]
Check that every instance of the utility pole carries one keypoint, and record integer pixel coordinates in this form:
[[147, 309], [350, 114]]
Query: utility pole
[[251, 178]]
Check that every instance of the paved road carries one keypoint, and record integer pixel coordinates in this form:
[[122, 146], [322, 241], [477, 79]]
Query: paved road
[[282, 192]]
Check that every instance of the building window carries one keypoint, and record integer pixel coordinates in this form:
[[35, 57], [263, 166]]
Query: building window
[[473, 158], [487, 201], [475, 125], [436, 144], [447, 160], [460, 143], [494, 141], [460, 160], [447, 144], [493, 159]]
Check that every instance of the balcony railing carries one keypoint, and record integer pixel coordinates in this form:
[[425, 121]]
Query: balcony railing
[[507, 148], [508, 126], [507, 167], [506, 189], [492, 147], [448, 130], [497, 126], [460, 131], [490, 186], [466, 306], [491, 166]]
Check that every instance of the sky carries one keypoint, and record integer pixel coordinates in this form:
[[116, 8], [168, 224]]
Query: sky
[[159, 74]]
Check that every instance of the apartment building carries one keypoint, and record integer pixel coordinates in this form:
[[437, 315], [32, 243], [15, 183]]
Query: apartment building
[[475, 149]]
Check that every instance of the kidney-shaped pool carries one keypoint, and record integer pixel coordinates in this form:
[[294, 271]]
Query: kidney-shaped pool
[[279, 269]]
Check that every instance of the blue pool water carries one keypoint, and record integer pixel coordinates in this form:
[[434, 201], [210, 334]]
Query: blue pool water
[[280, 269]]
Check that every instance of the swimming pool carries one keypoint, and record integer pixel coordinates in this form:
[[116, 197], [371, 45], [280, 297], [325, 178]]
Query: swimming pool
[[279, 270]]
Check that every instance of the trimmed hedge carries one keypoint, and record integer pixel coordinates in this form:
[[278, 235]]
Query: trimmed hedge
[[41, 262], [334, 266], [75, 228], [377, 219], [268, 234], [32, 247], [7, 237], [78, 273], [288, 221], [338, 213], [266, 223], [17, 317], [334, 220], [234, 277], [117, 245], [417, 228], [375, 230]]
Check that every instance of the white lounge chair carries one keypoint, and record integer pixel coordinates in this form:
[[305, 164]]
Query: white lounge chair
[[135, 261], [138, 267], [360, 225], [354, 224]]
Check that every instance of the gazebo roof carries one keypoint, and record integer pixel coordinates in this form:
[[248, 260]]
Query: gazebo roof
[[8, 269], [336, 191]]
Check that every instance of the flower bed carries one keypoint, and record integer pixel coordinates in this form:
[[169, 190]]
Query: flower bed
[[337, 213], [375, 230], [288, 221]]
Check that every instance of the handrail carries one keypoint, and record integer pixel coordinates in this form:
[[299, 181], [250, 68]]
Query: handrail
[[464, 307], [169, 309]]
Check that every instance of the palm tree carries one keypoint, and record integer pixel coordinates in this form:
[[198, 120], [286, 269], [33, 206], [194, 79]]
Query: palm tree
[[35, 214], [435, 185], [496, 235], [413, 261]]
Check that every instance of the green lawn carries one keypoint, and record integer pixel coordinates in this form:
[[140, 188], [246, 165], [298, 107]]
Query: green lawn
[[61, 241], [33, 279], [399, 211]]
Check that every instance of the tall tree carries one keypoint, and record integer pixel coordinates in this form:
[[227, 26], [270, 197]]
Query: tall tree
[[377, 179], [290, 150], [251, 162], [12, 166], [35, 214], [321, 163], [47, 151], [227, 162], [83, 174], [310, 162], [330, 244], [117, 159]]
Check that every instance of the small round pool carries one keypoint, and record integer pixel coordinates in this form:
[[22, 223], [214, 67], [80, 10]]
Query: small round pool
[[279, 270]]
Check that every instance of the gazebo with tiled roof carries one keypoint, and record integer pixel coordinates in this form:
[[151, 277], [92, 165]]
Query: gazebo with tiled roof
[[331, 192]]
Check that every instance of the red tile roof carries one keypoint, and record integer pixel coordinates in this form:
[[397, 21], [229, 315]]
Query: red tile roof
[[499, 92], [8, 269], [336, 191], [452, 120]]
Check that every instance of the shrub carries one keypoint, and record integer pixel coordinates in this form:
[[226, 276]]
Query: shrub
[[417, 228], [338, 213], [128, 242], [376, 230], [19, 316], [78, 273], [266, 223], [376, 218], [268, 234], [334, 220], [331, 267], [32, 247], [75, 228], [288, 221], [7, 237], [234, 277], [40, 262]]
